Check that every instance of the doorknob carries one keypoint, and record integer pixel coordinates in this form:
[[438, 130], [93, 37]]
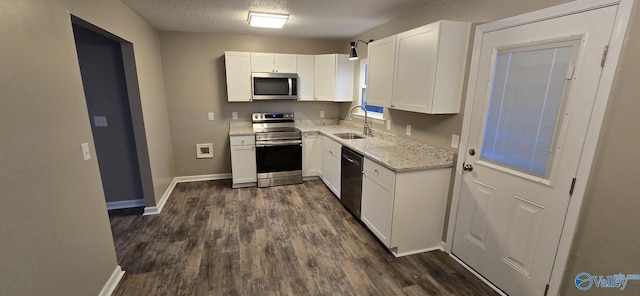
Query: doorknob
[[467, 167]]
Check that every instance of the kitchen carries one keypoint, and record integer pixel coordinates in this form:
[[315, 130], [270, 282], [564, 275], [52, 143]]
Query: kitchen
[[192, 77]]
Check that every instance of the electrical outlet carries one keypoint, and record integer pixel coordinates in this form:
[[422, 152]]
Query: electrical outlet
[[455, 141], [86, 154], [234, 115], [408, 132], [388, 125], [322, 114], [211, 117]]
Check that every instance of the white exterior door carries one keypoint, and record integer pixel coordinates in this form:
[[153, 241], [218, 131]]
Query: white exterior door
[[530, 110]]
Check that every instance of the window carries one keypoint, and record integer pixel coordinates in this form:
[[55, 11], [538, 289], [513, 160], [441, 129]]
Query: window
[[374, 111], [525, 103]]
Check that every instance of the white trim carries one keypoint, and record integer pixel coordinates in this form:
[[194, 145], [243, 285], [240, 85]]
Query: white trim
[[595, 123], [443, 245], [154, 210], [545, 14], [311, 178], [616, 42], [125, 204], [492, 286], [158, 207], [112, 282], [198, 178], [418, 251]]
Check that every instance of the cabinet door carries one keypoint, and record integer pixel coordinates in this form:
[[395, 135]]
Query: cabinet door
[[334, 173], [325, 77], [331, 165], [262, 62], [416, 56], [243, 164], [311, 154], [285, 63], [381, 71], [238, 70], [306, 66], [377, 207], [343, 91]]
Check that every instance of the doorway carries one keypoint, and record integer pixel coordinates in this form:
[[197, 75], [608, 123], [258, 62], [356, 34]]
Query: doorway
[[107, 67], [533, 112]]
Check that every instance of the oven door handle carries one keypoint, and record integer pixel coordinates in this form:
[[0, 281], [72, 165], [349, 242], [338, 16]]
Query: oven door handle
[[278, 143]]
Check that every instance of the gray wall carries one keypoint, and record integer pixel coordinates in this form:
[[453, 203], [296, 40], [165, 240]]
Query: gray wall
[[54, 227], [606, 241], [196, 84]]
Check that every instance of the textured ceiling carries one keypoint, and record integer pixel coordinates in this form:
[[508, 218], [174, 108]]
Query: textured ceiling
[[336, 19]]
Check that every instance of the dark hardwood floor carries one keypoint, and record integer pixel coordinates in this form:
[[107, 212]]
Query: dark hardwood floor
[[287, 240]]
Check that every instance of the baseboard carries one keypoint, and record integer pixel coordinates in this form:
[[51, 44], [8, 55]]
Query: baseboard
[[310, 178], [125, 204], [197, 178], [112, 282], [418, 251], [492, 286], [158, 208], [443, 246]]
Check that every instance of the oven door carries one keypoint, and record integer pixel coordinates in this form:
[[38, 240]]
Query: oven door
[[275, 158]]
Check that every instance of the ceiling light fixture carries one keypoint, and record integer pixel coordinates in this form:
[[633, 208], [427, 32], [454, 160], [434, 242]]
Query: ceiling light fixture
[[353, 55], [267, 20]]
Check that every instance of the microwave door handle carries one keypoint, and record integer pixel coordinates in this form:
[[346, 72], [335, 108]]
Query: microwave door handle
[[290, 86]]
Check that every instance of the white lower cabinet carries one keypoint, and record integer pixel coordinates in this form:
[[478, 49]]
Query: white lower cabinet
[[243, 161], [311, 154], [405, 210], [377, 206], [331, 164]]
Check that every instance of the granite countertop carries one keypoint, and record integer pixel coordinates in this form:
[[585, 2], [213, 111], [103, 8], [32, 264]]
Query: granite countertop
[[395, 153]]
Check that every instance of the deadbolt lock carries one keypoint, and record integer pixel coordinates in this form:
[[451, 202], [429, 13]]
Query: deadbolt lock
[[472, 152]]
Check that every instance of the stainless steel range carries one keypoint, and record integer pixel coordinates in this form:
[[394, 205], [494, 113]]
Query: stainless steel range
[[278, 149]]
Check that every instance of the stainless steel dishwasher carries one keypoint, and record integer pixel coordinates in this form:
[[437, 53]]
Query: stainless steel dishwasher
[[351, 181]]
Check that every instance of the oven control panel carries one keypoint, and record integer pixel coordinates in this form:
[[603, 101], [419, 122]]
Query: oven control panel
[[266, 117]]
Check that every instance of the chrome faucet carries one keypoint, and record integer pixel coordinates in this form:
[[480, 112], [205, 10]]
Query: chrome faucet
[[367, 129]]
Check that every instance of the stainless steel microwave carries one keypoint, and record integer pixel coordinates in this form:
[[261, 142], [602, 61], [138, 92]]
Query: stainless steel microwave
[[274, 86]]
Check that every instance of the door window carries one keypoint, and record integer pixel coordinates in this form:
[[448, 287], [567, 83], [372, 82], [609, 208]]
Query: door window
[[526, 99]]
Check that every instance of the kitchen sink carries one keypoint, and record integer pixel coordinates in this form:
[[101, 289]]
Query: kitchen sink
[[348, 136]]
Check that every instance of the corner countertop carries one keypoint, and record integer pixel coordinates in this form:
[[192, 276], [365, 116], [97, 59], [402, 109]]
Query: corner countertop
[[395, 153]]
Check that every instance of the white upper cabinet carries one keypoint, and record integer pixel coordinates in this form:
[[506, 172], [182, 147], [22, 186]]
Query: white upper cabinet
[[285, 63], [428, 71], [382, 54], [273, 62], [333, 78], [238, 70], [306, 66]]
